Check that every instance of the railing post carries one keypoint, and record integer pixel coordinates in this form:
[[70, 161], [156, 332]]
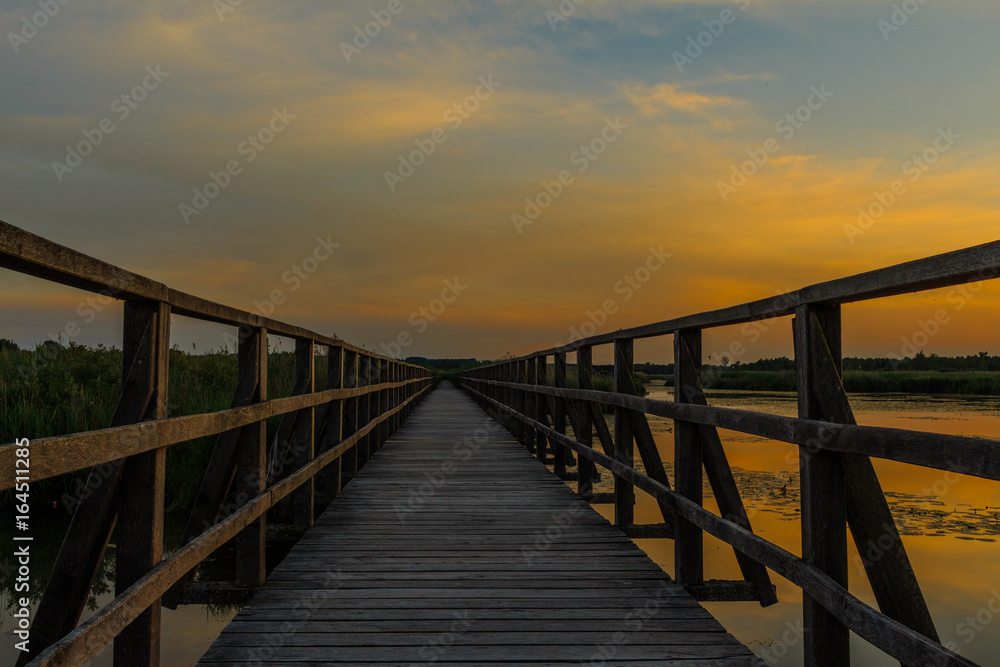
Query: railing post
[[624, 436], [304, 445], [689, 567], [251, 461], [559, 412], [140, 514], [333, 426], [364, 408], [826, 641], [541, 378], [530, 403], [586, 469], [383, 401], [349, 465], [520, 402]]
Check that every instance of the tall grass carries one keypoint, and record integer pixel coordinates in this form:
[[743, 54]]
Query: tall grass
[[58, 390]]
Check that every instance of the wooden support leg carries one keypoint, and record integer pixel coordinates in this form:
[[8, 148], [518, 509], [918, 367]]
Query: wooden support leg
[[727, 494], [87, 536], [303, 444], [624, 437], [824, 522], [251, 543], [871, 522], [688, 538], [140, 513]]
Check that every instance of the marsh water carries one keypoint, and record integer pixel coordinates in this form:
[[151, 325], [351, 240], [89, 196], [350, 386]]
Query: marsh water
[[950, 525]]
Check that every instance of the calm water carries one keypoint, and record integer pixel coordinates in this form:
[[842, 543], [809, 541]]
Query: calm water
[[949, 524]]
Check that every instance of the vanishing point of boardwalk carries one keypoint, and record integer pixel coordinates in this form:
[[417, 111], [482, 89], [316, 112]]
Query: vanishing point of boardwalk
[[455, 546]]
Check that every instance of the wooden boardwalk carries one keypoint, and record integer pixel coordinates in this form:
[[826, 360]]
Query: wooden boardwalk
[[455, 546]]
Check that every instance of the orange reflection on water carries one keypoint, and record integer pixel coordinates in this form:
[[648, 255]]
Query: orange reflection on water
[[950, 524]]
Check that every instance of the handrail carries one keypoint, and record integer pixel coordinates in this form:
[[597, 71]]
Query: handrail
[[839, 485], [86, 640], [33, 255], [880, 630], [974, 264], [365, 398]]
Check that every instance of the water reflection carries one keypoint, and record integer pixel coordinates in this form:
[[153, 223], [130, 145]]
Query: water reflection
[[950, 523], [187, 631]]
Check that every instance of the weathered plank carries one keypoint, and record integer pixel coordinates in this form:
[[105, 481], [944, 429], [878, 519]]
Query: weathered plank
[[878, 629], [454, 529]]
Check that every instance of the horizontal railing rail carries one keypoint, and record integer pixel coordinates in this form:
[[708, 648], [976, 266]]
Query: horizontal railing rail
[[839, 487], [326, 434]]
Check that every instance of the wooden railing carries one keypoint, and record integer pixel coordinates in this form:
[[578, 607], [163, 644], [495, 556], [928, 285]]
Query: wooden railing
[[325, 434], [839, 486]]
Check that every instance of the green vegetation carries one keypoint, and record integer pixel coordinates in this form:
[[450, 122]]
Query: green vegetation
[[58, 390]]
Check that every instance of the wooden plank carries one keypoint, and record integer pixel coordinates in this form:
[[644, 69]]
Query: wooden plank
[[973, 264], [826, 640], [33, 255], [552, 579], [648, 452], [541, 409], [884, 633], [251, 475], [688, 458], [303, 439], [970, 456], [87, 536], [559, 412], [62, 454], [584, 430], [332, 421], [86, 640], [139, 533], [727, 494], [624, 437], [868, 515], [349, 465], [222, 467], [523, 433]]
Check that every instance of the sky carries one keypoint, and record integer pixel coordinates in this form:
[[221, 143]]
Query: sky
[[475, 178]]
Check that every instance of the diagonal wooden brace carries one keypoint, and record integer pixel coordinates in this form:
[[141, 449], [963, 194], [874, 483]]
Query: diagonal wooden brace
[[868, 515], [727, 494]]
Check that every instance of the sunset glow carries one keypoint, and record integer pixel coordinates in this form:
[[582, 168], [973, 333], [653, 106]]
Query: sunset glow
[[533, 153]]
